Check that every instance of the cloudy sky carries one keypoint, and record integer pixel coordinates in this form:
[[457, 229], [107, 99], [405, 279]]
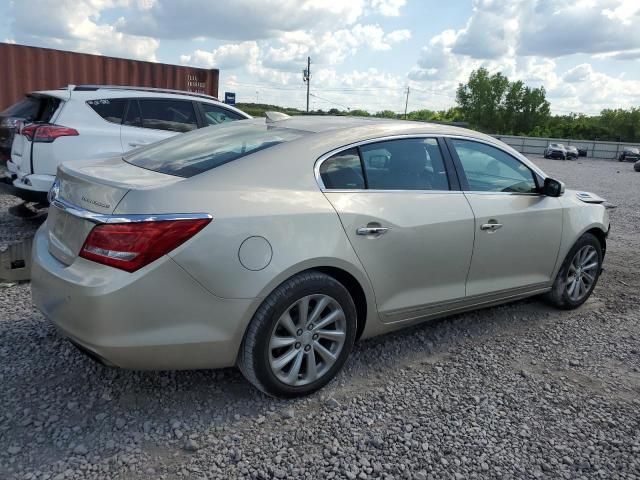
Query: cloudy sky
[[364, 53]]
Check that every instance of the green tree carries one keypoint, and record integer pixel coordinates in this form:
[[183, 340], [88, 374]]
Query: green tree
[[494, 104]]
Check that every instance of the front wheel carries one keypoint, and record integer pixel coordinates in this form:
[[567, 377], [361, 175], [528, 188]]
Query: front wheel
[[300, 337], [578, 274]]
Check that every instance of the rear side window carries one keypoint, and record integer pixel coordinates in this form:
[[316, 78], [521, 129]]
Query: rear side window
[[110, 109], [407, 164], [214, 115], [196, 152], [172, 115], [343, 171]]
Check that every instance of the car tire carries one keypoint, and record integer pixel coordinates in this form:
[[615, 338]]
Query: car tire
[[636, 166], [268, 363], [586, 251]]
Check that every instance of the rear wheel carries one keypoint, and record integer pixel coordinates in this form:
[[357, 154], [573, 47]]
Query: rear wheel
[[300, 336], [578, 275]]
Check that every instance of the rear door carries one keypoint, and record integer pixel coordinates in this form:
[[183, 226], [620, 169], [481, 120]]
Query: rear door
[[408, 222], [517, 229], [149, 120]]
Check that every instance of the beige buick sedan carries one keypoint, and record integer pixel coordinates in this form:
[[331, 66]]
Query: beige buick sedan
[[274, 245]]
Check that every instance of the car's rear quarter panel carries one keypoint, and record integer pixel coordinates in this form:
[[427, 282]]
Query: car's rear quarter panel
[[271, 194]]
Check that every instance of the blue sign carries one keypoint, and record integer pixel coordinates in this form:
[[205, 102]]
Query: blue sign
[[230, 98]]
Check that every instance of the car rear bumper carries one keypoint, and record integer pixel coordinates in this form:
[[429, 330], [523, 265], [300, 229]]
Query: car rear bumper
[[30, 188], [158, 318], [10, 186], [555, 154]]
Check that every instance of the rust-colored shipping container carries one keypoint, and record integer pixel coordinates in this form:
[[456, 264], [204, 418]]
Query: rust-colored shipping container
[[24, 69]]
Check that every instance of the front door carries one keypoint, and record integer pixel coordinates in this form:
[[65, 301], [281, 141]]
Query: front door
[[517, 230], [412, 233]]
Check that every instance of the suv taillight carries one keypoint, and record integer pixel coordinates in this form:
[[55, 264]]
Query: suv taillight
[[131, 246], [45, 133]]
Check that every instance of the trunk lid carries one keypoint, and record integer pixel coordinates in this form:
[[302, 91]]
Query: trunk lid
[[87, 192], [39, 108]]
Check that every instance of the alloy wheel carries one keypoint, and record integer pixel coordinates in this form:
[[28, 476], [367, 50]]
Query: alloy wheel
[[307, 339], [582, 272]]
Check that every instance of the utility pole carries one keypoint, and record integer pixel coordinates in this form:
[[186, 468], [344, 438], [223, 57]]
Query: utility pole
[[306, 78], [406, 103]]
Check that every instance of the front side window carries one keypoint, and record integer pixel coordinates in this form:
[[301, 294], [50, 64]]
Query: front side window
[[343, 171], [201, 150], [489, 169], [110, 109], [172, 115], [214, 115], [407, 164]]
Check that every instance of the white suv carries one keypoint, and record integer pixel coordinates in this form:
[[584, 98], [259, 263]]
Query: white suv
[[89, 122]]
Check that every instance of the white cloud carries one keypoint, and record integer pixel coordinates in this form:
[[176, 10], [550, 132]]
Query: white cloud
[[579, 73], [75, 25], [389, 8], [226, 57], [522, 39], [398, 36]]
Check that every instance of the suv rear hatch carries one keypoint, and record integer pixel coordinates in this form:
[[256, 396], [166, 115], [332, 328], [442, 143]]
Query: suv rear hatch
[[41, 108], [87, 193]]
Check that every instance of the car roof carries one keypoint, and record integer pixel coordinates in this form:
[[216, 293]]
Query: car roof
[[104, 93], [328, 133], [372, 126]]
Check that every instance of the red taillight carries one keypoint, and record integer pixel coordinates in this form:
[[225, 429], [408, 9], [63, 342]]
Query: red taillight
[[131, 246], [47, 133]]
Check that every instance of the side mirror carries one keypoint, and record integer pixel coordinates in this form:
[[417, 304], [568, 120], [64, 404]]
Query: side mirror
[[552, 187]]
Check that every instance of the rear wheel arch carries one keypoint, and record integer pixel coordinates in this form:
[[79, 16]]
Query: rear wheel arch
[[355, 290]]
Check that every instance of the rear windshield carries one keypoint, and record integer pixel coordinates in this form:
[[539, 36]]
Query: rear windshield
[[34, 109], [192, 153]]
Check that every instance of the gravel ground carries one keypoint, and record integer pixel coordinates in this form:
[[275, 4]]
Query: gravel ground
[[517, 391]]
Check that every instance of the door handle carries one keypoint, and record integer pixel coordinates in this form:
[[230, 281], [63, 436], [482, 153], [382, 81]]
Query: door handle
[[490, 227], [371, 230], [138, 144]]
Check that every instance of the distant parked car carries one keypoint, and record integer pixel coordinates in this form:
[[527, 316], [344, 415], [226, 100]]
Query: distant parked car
[[33, 108], [572, 152], [93, 121], [582, 152], [555, 150], [629, 154]]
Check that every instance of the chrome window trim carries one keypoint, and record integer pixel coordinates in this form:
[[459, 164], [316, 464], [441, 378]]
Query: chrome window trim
[[407, 136], [101, 218], [316, 168]]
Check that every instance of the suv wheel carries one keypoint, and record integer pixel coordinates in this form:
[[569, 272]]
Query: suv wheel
[[300, 336], [578, 275]]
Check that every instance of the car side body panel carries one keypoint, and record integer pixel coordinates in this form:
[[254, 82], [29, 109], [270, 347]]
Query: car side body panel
[[515, 255], [578, 217]]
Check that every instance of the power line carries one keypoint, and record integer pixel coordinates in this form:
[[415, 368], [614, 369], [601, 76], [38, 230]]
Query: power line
[[329, 101]]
